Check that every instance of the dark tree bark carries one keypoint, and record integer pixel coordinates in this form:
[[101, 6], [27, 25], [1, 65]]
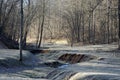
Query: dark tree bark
[[108, 22], [42, 25], [21, 31], [1, 3], [83, 25], [119, 22], [89, 28]]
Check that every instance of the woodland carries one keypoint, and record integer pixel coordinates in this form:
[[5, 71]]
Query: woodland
[[78, 22], [59, 39]]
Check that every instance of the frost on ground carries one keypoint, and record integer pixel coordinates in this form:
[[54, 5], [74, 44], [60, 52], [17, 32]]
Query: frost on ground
[[11, 68], [106, 65]]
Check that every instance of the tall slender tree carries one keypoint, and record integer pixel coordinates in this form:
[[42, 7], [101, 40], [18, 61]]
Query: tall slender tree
[[21, 31], [40, 32], [119, 22]]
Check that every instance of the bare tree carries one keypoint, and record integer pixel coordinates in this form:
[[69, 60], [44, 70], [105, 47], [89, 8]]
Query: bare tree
[[21, 30], [119, 21], [41, 25], [90, 21]]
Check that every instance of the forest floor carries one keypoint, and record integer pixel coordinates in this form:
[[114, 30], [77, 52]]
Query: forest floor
[[47, 66]]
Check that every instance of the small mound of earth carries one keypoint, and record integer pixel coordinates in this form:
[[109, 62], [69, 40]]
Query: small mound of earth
[[76, 58]]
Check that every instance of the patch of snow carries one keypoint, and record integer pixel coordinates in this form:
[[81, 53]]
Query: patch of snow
[[105, 67]]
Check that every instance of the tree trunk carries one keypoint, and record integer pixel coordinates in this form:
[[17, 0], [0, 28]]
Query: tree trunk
[[83, 25], [93, 24], [108, 22], [42, 25], [119, 24], [41, 33], [21, 31], [1, 3], [89, 28]]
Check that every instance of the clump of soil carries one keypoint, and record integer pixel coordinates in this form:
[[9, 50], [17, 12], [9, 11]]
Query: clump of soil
[[76, 58]]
